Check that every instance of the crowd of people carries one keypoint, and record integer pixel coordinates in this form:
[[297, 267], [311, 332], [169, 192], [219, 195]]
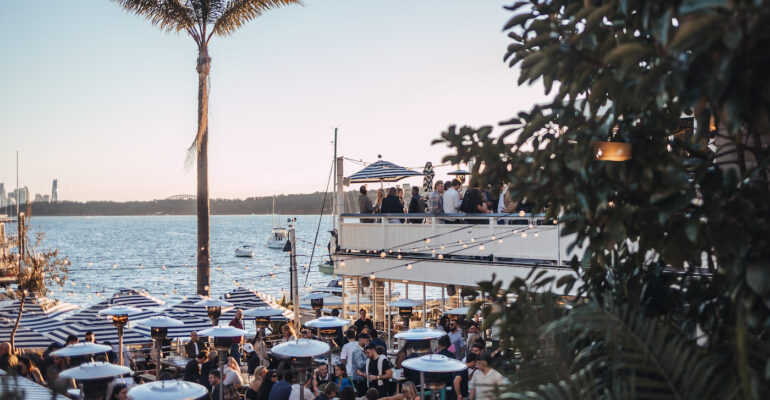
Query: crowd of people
[[445, 198], [363, 371]]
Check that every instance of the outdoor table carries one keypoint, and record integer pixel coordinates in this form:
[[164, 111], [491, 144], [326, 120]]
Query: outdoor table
[[175, 362]]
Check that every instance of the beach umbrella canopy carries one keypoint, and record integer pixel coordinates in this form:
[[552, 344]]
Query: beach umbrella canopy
[[189, 323], [103, 330], [39, 313], [382, 171], [135, 298], [243, 298], [25, 338], [32, 391]]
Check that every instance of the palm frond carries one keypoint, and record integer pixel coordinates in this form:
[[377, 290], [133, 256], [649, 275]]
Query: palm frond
[[622, 351], [238, 12], [168, 15]]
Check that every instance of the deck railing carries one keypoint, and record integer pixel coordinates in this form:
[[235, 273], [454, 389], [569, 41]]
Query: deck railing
[[527, 238]]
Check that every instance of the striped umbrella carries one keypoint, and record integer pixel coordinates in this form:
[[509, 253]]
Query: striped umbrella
[[134, 298], [38, 313], [25, 337], [191, 323], [103, 331], [427, 182], [32, 391], [382, 171]]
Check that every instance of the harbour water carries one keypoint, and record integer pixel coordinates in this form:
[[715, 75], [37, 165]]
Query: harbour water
[[157, 253]]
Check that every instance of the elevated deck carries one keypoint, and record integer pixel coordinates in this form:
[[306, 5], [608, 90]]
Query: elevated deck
[[460, 249]]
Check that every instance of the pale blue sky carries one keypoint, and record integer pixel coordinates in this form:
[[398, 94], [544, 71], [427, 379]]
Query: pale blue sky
[[106, 103]]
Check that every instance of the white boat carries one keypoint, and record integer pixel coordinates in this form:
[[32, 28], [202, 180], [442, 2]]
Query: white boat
[[279, 235], [245, 251], [278, 238]]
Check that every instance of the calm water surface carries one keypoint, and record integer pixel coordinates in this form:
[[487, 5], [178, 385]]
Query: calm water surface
[[157, 253]]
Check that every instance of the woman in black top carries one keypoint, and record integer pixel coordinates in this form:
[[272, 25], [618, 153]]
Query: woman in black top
[[267, 384], [392, 205]]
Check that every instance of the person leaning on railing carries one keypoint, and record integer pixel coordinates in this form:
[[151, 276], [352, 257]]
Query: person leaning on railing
[[416, 205], [436, 199]]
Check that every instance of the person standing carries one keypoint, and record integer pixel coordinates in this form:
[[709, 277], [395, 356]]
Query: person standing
[[365, 205], [194, 346], [363, 322], [485, 381], [416, 205], [236, 322], [456, 338], [452, 198], [460, 380], [392, 205], [436, 199], [378, 371]]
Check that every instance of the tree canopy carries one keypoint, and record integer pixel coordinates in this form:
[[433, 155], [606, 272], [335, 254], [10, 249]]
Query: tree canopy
[[677, 234]]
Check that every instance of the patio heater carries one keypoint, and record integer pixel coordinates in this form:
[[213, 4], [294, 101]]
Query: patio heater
[[420, 339], [214, 307], [405, 309], [327, 330], [95, 376], [120, 316], [301, 353], [460, 174], [82, 349], [432, 368], [168, 390], [317, 302], [158, 332], [262, 317], [222, 335]]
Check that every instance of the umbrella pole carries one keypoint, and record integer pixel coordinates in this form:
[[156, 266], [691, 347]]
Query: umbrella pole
[[158, 343], [422, 385]]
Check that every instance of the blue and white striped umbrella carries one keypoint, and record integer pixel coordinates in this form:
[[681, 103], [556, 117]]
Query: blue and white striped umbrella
[[134, 298], [382, 171], [191, 323], [103, 331], [38, 313], [25, 337], [32, 391]]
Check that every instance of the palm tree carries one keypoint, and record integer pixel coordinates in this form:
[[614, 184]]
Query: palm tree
[[201, 19]]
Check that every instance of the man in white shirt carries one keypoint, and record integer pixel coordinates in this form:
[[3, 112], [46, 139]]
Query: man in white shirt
[[308, 395], [452, 198], [486, 381]]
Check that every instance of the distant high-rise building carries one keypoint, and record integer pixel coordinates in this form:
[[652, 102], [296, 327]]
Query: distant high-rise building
[[3, 199], [55, 191], [38, 197]]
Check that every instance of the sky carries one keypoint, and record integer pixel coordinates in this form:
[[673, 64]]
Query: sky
[[106, 103]]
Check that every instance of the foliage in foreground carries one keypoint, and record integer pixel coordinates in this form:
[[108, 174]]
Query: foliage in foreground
[[34, 268], [675, 239]]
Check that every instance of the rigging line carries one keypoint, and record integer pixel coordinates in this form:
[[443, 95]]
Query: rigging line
[[318, 227]]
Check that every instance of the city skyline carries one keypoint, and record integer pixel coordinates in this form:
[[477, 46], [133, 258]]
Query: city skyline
[[125, 98]]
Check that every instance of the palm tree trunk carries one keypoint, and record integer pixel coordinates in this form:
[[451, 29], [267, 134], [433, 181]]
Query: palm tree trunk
[[16, 325], [203, 68]]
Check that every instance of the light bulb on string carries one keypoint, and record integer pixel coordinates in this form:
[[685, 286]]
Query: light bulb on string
[[493, 237], [114, 266], [442, 247], [481, 248], [372, 277], [524, 234], [473, 240], [399, 256], [500, 241], [382, 255], [465, 246], [427, 240], [409, 266], [537, 234], [521, 213], [440, 256]]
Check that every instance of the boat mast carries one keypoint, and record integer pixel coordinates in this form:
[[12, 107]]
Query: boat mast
[[334, 200]]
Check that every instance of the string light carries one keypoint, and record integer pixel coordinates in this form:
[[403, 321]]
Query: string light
[[409, 266], [524, 234], [481, 248], [372, 277], [427, 240], [537, 234], [440, 256], [382, 255], [367, 260], [399, 256]]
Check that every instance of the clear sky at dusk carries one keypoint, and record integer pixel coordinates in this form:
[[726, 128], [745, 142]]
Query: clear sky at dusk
[[106, 103]]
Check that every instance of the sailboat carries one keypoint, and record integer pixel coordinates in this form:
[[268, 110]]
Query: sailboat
[[278, 236]]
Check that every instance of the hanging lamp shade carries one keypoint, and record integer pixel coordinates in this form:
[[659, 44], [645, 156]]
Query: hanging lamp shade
[[612, 151]]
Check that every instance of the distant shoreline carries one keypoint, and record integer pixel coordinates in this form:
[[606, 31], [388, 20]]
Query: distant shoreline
[[295, 204]]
